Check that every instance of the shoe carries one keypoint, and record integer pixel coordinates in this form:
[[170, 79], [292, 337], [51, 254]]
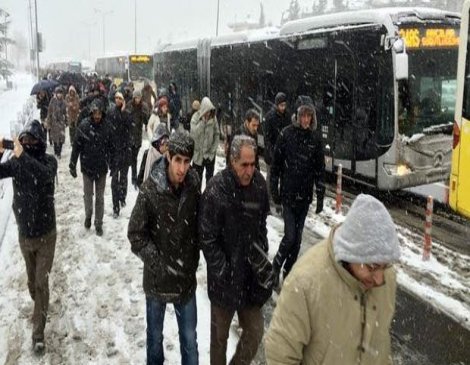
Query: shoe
[[115, 213], [87, 223], [123, 203], [38, 347], [99, 231]]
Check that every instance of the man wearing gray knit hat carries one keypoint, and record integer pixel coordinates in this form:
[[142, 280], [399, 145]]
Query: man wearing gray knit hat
[[338, 301]]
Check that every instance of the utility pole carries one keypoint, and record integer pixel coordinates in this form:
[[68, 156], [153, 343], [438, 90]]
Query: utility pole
[[103, 14], [135, 26], [217, 25], [37, 37], [31, 35]]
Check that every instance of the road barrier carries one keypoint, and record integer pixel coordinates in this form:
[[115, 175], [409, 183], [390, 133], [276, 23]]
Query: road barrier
[[428, 229]]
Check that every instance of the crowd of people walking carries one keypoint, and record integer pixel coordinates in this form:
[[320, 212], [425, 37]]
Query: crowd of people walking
[[335, 304]]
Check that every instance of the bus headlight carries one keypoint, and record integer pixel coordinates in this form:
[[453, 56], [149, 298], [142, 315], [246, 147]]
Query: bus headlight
[[397, 170]]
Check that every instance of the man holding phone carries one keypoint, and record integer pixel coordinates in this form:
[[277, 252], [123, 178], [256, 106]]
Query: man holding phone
[[33, 173]]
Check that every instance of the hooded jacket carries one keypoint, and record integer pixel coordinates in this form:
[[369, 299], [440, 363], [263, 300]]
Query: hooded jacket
[[325, 316], [204, 133], [139, 115], [57, 119], [274, 123], [232, 220], [72, 102], [94, 146], [163, 234], [298, 165], [33, 186]]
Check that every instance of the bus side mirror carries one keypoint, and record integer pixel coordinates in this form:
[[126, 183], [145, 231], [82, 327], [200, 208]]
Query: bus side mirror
[[401, 66], [401, 59]]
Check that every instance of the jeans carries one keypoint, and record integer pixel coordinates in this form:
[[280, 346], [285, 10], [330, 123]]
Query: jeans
[[99, 186], [209, 166], [135, 153], [186, 316], [38, 255], [294, 220], [119, 186], [252, 324]]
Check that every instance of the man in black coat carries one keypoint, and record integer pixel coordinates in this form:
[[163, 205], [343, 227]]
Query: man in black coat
[[298, 165], [163, 234], [94, 146], [248, 128], [140, 114], [33, 172], [120, 123], [233, 236], [274, 122]]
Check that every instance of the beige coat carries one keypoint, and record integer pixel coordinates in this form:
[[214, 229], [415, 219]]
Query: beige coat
[[325, 316], [204, 133], [73, 106]]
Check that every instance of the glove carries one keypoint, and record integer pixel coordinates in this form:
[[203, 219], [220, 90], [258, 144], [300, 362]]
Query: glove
[[73, 171], [319, 204]]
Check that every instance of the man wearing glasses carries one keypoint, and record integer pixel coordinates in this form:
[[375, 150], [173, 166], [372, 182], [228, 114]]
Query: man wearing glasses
[[338, 302]]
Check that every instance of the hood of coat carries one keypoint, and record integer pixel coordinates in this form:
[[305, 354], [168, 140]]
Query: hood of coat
[[304, 109], [72, 90], [158, 174], [206, 106]]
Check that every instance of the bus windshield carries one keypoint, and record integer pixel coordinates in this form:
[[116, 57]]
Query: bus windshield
[[140, 70], [427, 98]]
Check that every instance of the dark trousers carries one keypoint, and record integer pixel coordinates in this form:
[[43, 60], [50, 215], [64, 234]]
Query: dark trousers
[[38, 255], [72, 130], [98, 186], [186, 316], [119, 185], [252, 324], [58, 149], [208, 165], [135, 153], [294, 220]]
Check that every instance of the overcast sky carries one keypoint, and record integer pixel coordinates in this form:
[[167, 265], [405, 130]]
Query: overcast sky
[[66, 24]]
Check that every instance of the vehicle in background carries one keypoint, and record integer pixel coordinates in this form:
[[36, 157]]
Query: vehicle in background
[[459, 185], [382, 80], [126, 68], [64, 66]]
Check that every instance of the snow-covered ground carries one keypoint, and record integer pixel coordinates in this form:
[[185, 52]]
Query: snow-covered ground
[[97, 312]]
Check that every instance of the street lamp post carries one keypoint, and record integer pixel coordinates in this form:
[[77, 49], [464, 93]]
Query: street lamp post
[[37, 36], [217, 24], [89, 25], [135, 26]]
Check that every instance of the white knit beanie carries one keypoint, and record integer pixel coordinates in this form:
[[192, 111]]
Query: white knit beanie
[[368, 234]]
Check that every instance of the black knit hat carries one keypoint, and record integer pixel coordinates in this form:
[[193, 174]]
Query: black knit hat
[[181, 143], [280, 98]]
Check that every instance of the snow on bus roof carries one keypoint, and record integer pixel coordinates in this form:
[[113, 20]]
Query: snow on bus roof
[[386, 16]]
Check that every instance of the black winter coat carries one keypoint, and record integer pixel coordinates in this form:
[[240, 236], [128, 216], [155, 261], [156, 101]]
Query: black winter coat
[[298, 165], [274, 123], [94, 146], [33, 192], [120, 123], [232, 220], [163, 233], [140, 115], [43, 105]]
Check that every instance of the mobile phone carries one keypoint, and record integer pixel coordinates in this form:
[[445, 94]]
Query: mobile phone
[[8, 145]]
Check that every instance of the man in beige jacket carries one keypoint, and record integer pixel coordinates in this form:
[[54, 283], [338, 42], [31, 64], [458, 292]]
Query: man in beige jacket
[[337, 304]]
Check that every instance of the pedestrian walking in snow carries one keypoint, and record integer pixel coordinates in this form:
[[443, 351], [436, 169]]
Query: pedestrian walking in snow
[[163, 234], [33, 172], [274, 122], [42, 103], [72, 102], [159, 115], [233, 236], [57, 120], [148, 95], [159, 146], [205, 132], [337, 304], [94, 146], [140, 114], [248, 128], [120, 124], [298, 165], [175, 106]]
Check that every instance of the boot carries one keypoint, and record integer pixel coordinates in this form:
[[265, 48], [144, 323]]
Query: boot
[[87, 223], [99, 231]]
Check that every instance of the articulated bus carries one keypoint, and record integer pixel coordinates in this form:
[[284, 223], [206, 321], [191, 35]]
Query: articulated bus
[[383, 82], [135, 68], [459, 185]]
